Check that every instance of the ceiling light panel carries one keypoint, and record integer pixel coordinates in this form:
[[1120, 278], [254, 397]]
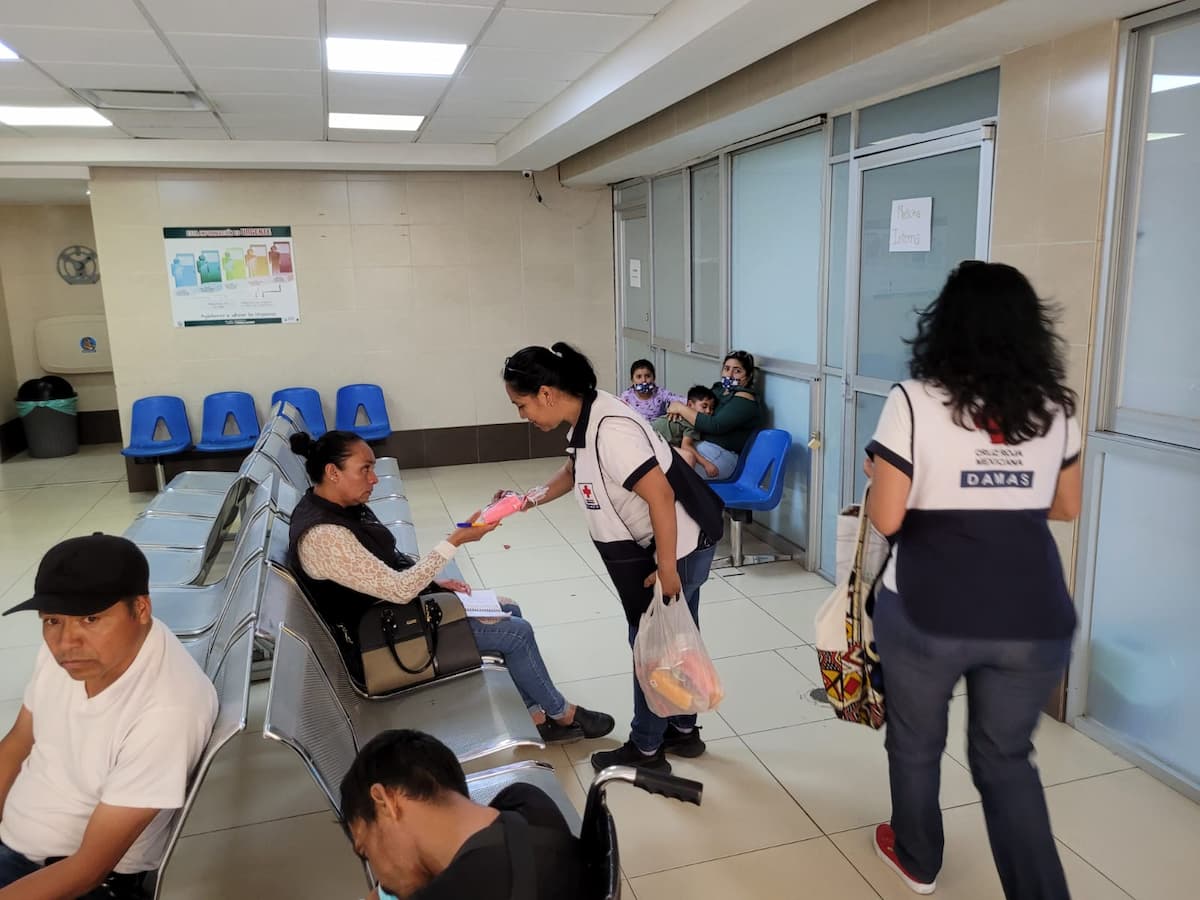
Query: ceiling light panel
[[354, 136], [53, 116], [405, 21], [535, 30], [1160, 83], [392, 57], [7, 53], [372, 122], [276, 18]]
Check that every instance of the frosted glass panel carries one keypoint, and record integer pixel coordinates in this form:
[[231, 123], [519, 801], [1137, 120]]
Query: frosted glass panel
[[707, 315], [867, 409], [669, 261], [635, 274], [631, 194], [776, 223], [841, 134], [835, 324], [1161, 368], [831, 473], [684, 370], [1143, 661], [893, 286], [789, 402], [962, 100]]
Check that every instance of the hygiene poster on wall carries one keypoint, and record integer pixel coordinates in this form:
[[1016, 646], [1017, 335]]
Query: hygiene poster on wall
[[235, 275]]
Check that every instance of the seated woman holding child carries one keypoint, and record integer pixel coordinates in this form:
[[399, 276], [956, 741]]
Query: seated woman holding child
[[723, 433], [348, 561]]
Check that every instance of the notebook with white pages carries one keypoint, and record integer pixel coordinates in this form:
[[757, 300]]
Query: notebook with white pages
[[481, 604]]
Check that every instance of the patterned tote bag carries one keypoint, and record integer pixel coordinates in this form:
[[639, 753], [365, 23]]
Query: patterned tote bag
[[846, 652]]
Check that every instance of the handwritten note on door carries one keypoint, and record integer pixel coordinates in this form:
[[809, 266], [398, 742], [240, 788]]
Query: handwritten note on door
[[911, 224]]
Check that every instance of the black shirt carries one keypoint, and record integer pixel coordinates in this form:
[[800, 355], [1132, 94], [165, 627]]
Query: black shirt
[[481, 870]]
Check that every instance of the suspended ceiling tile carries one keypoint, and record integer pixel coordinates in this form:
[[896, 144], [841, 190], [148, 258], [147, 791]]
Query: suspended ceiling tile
[[474, 137], [519, 90], [72, 133], [119, 77], [488, 124], [509, 109], [356, 136], [20, 74], [280, 105], [536, 30], [276, 130], [145, 118], [258, 81], [220, 51], [620, 7], [537, 65], [391, 94], [117, 14], [86, 45], [281, 18], [181, 134], [384, 19], [50, 97]]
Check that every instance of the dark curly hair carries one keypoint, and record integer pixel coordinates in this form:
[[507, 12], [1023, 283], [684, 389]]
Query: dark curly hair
[[990, 342]]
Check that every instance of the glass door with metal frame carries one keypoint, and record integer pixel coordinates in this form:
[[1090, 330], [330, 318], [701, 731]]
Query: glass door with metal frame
[[634, 280], [915, 213]]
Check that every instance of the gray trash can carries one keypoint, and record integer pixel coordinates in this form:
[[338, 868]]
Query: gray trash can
[[48, 408]]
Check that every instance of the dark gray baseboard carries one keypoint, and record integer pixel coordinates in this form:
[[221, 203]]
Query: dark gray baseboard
[[414, 449]]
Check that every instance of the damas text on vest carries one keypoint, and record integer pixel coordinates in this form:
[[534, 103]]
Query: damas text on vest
[[1020, 479], [589, 496]]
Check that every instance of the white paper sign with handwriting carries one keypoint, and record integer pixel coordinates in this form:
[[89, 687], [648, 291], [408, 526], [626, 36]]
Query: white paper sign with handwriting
[[912, 221]]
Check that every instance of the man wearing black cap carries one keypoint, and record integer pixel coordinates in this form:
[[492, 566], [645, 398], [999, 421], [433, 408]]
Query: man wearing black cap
[[114, 719]]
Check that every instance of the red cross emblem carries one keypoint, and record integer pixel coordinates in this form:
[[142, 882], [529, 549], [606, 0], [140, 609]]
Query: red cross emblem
[[589, 496]]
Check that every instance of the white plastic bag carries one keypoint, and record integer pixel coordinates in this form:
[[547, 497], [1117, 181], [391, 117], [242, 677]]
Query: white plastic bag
[[672, 665]]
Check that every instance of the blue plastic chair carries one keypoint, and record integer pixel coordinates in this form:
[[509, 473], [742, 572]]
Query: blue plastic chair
[[217, 410], [148, 412], [308, 401], [369, 398], [757, 485]]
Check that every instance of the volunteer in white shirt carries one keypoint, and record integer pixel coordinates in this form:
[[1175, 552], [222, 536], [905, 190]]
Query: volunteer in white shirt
[[113, 721], [650, 516], [970, 459]]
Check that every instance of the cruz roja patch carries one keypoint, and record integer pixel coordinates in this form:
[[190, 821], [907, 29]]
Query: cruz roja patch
[[589, 496]]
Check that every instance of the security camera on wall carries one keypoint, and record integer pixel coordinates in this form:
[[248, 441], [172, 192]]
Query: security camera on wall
[[527, 173]]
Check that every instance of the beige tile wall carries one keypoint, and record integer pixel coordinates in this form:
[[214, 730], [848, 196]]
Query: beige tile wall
[[1052, 148], [420, 282], [8, 371], [31, 238]]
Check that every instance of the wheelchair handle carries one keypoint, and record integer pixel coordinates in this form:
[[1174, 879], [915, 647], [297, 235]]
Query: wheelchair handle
[[672, 786]]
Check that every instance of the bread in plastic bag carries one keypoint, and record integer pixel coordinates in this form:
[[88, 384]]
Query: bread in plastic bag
[[671, 662]]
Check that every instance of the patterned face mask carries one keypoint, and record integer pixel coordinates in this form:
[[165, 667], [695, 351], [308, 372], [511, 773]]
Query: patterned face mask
[[646, 387], [729, 383]]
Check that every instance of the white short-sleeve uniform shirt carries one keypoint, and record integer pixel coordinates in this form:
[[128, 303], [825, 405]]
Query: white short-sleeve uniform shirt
[[134, 744]]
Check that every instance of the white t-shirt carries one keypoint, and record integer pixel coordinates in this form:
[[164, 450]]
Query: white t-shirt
[[975, 557], [134, 744]]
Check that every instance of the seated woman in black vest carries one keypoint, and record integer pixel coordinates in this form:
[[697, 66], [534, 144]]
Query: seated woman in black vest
[[348, 561]]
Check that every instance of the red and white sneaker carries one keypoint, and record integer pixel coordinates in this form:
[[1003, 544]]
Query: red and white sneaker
[[885, 849]]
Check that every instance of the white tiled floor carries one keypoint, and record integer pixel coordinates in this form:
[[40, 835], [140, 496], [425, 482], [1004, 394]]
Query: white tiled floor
[[790, 794]]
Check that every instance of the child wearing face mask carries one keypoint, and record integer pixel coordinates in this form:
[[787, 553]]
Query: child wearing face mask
[[648, 399]]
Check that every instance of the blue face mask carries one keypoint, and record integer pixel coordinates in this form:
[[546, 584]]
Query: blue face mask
[[729, 383], [384, 895], [646, 387]]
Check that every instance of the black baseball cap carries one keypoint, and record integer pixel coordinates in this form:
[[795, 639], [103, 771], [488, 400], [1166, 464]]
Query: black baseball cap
[[86, 575]]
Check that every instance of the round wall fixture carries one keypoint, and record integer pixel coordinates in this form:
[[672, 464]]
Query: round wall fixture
[[77, 265]]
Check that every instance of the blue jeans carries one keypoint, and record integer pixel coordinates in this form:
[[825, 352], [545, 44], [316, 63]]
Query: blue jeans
[[513, 639], [724, 460], [647, 729], [1008, 683], [14, 867]]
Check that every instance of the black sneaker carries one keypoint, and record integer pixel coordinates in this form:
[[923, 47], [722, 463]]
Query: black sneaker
[[629, 755], [594, 724], [556, 733], [687, 745]]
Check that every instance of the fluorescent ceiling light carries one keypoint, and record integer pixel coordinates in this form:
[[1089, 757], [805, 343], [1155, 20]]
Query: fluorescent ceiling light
[[1162, 135], [392, 57], [1160, 83], [8, 53], [367, 122], [75, 116]]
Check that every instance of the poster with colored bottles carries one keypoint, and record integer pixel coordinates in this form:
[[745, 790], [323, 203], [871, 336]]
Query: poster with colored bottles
[[232, 275]]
